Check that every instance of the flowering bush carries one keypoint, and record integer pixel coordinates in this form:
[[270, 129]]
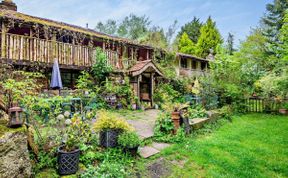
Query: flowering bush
[[107, 121]]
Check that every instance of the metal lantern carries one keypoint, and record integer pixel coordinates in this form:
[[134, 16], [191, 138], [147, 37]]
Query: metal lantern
[[16, 118]]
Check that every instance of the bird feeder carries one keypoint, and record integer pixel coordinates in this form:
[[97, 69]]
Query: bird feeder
[[16, 118]]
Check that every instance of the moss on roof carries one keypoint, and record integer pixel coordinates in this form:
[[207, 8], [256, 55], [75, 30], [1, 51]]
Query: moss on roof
[[47, 22]]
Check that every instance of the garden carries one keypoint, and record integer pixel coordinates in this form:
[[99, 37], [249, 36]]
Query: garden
[[229, 123]]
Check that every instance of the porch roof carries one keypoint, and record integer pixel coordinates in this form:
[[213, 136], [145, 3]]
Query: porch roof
[[143, 66], [192, 57]]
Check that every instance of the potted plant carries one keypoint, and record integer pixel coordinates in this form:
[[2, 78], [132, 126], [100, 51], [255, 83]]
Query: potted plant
[[284, 109], [175, 115], [110, 127], [69, 152], [130, 141]]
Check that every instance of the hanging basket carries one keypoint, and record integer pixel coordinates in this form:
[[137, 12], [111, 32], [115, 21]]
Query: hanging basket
[[68, 162], [109, 138]]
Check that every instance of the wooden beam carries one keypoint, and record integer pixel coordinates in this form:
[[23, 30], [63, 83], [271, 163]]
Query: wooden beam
[[152, 89], [3, 40]]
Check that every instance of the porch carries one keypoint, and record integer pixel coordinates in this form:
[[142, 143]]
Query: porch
[[143, 78]]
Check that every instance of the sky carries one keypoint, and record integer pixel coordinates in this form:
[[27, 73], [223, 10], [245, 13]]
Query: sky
[[235, 16]]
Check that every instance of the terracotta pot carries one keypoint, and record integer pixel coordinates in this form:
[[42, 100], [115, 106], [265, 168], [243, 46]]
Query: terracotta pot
[[283, 111], [176, 121]]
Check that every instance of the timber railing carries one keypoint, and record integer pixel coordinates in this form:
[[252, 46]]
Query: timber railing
[[19, 48]]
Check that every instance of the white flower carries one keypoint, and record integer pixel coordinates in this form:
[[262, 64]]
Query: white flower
[[67, 114], [60, 117], [68, 121]]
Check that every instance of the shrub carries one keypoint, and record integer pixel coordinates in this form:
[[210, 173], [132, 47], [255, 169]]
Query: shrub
[[106, 121], [164, 124], [129, 140], [100, 68], [196, 112]]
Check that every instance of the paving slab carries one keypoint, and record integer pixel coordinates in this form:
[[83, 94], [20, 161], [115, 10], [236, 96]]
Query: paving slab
[[144, 125], [160, 146], [147, 151]]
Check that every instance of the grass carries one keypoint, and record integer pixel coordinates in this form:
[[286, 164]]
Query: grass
[[253, 145]]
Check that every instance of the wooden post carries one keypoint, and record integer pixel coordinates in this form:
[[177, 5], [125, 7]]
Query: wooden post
[[152, 88], [54, 50], [3, 41], [138, 87]]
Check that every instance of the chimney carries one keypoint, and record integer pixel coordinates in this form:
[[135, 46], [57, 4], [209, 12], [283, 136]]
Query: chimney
[[8, 5]]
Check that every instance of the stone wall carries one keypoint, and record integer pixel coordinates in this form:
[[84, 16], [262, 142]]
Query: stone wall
[[14, 155]]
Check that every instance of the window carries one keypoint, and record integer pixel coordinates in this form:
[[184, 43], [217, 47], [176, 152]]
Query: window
[[183, 63], [194, 64], [203, 65]]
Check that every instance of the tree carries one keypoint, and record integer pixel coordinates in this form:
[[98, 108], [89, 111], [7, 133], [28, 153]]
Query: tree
[[110, 27], [230, 44], [284, 39], [273, 19], [192, 29], [171, 31], [209, 39], [155, 37], [134, 27], [186, 45]]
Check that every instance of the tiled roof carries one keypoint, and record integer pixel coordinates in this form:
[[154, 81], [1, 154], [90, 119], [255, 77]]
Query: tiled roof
[[141, 66]]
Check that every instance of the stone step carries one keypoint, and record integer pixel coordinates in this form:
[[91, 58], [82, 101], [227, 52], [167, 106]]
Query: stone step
[[147, 151], [198, 123], [153, 149]]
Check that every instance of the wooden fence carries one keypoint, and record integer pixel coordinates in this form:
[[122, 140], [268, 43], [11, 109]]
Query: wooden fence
[[257, 104]]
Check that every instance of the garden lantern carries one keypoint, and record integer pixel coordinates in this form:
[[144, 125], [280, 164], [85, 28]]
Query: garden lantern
[[16, 118]]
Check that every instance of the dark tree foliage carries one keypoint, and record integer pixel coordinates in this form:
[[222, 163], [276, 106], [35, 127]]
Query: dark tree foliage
[[230, 43], [134, 27], [273, 19], [192, 29], [110, 27]]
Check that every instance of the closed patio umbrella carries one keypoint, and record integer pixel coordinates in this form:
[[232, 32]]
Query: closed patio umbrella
[[56, 82]]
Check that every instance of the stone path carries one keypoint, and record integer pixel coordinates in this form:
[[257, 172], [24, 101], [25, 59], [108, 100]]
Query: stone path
[[144, 124]]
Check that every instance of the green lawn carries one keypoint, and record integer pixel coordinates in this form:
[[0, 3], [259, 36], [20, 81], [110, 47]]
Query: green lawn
[[254, 145]]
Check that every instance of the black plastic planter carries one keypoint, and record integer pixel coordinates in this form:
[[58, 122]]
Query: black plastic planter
[[68, 162], [131, 150], [109, 138]]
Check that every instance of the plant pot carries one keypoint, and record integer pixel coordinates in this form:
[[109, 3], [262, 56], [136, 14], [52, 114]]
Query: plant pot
[[119, 106], [109, 138], [68, 162], [132, 150], [134, 106], [283, 111], [176, 121]]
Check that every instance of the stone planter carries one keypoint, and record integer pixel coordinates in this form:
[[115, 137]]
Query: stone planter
[[68, 162], [109, 138], [176, 121], [283, 111]]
